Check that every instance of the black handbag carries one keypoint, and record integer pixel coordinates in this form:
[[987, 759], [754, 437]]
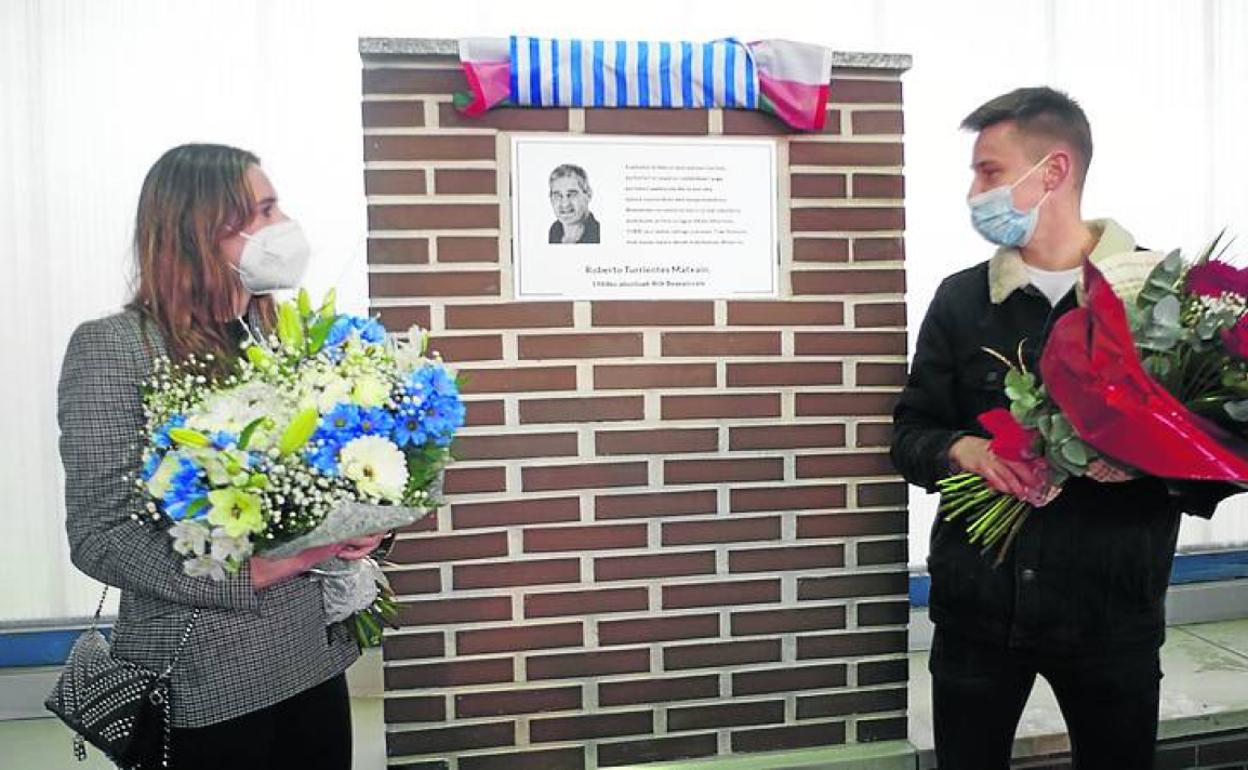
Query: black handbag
[[119, 707]]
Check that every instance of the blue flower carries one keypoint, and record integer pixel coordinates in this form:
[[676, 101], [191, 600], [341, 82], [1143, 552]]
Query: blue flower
[[434, 411], [324, 457], [368, 329], [223, 440], [161, 436], [342, 422], [339, 331], [442, 382], [371, 331], [151, 464], [375, 422], [408, 430], [185, 487]]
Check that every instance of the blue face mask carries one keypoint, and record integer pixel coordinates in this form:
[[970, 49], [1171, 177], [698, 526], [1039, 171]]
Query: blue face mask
[[994, 217]]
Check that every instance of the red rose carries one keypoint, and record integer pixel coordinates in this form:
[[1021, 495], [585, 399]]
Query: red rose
[[1214, 278], [1236, 339]]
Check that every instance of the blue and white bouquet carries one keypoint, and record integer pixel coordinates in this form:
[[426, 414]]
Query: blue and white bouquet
[[327, 430]]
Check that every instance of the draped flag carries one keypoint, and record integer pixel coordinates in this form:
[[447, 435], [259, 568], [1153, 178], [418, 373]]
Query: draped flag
[[785, 78]]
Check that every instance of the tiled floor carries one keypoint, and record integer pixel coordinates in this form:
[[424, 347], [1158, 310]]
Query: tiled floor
[[44, 744], [1205, 690]]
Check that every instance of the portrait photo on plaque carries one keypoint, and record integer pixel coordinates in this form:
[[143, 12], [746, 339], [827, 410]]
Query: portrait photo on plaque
[[643, 218]]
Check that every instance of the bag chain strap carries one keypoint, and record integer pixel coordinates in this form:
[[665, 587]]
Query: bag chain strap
[[159, 696]]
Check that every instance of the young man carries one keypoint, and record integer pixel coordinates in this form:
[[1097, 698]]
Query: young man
[[1080, 599]]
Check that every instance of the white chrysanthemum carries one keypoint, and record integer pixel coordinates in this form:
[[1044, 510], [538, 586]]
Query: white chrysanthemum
[[330, 390], [234, 409], [370, 390], [376, 466]]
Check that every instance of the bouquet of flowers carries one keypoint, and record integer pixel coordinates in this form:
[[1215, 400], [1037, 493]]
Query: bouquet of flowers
[[328, 430], [1155, 385]]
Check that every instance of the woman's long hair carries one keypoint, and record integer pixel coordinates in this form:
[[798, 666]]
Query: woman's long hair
[[194, 197]]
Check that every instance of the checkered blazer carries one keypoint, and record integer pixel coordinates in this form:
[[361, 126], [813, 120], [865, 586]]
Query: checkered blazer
[[249, 649]]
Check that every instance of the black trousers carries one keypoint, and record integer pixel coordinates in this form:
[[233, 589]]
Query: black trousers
[[310, 731], [979, 691]]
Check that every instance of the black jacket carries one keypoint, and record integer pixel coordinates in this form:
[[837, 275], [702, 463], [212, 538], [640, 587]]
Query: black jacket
[[1089, 571], [592, 233]]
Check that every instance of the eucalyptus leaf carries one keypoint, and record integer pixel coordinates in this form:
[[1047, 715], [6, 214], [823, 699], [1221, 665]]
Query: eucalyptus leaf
[[1166, 312], [1020, 412], [1076, 452], [1061, 429], [1158, 366], [1238, 410], [1208, 326]]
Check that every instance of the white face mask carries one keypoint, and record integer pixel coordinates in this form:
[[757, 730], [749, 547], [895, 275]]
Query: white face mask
[[274, 258]]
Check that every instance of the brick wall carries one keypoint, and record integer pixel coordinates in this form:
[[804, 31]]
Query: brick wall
[[674, 530]]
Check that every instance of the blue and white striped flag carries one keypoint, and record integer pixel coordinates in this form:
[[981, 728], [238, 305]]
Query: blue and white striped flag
[[548, 72]]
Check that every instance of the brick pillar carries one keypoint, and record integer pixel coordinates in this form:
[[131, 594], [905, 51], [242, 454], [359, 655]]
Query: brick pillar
[[674, 530]]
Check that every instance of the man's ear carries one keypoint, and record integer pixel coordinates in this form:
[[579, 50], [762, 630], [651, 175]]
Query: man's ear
[[1058, 168]]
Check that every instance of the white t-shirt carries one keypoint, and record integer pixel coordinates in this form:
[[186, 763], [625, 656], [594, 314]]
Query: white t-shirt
[[1053, 283]]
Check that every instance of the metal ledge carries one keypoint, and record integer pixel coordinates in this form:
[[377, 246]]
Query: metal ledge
[[432, 46]]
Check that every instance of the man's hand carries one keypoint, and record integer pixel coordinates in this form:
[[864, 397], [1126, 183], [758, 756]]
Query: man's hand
[[974, 455]]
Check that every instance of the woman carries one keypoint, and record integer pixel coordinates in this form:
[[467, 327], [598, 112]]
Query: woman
[[260, 682]]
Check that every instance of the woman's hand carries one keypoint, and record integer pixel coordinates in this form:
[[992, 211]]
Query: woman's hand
[[270, 572], [360, 547]]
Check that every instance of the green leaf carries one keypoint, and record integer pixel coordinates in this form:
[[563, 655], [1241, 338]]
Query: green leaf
[[1075, 451], [258, 357], [327, 304], [289, 327], [1238, 410], [319, 333], [305, 303], [1166, 313], [1061, 429], [1208, 326], [1019, 380], [298, 432], [195, 507], [188, 437], [244, 438]]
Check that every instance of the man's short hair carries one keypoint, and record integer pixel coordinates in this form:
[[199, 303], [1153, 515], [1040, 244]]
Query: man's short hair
[[572, 170], [1040, 112]]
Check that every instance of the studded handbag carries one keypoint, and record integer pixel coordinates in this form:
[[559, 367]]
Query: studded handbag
[[119, 707]]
